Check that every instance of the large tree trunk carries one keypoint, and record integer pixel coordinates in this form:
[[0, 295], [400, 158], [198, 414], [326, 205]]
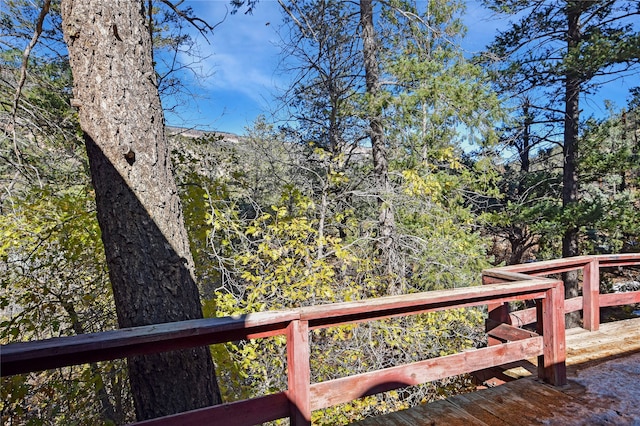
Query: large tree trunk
[[570, 178], [150, 265], [386, 219]]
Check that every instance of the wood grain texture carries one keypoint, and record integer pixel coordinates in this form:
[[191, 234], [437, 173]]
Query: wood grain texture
[[392, 306], [617, 299], [507, 333], [555, 266], [302, 397], [552, 316], [591, 296]]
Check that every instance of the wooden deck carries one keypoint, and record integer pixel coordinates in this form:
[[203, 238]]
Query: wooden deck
[[602, 389]]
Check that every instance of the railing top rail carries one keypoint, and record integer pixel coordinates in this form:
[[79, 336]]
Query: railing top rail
[[24, 357], [408, 304], [506, 275], [568, 263], [618, 259]]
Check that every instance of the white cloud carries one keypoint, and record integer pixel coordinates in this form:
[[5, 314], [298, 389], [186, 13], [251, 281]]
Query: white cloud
[[243, 54]]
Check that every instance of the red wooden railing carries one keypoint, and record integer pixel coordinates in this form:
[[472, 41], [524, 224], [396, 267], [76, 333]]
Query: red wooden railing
[[591, 300], [503, 285]]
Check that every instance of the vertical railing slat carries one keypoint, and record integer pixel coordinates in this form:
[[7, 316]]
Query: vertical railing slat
[[299, 374], [498, 312], [551, 324], [591, 296]]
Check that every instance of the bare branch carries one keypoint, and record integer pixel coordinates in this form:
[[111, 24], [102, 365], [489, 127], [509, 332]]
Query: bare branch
[[200, 24], [303, 27], [23, 70]]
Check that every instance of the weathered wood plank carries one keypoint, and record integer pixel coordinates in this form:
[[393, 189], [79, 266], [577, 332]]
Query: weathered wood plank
[[507, 333], [33, 356], [622, 259], [528, 316], [435, 415], [393, 306], [299, 373], [326, 394], [565, 264], [555, 266], [497, 406], [618, 299], [247, 412], [591, 296], [546, 267], [497, 313], [495, 276], [551, 324], [522, 402], [523, 317], [24, 357], [613, 339], [573, 304], [530, 402]]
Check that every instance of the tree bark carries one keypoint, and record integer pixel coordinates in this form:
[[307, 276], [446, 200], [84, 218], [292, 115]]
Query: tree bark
[[525, 149], [386, 219], [569, 177], [139, 212]]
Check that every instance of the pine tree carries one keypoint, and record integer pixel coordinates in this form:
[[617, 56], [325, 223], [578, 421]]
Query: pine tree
[[560, 51]]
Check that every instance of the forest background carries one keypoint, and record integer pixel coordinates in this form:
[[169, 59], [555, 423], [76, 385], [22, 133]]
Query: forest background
[[404, 166]]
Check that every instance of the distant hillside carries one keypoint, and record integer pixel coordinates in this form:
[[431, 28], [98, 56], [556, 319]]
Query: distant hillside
[[232, 138], [194, 133]]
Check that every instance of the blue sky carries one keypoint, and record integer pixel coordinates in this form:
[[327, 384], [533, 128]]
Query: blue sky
[[241, 66], [241, 60]]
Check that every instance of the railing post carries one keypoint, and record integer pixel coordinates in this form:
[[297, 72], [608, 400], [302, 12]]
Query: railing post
[[298, 371], [551, 324], [498, 313], [591, 296]]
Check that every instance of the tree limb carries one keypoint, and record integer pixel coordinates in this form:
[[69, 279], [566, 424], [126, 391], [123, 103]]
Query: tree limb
[[200, 24], [23, 70]]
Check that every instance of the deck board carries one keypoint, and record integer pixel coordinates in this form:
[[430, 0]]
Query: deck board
[[528, 401]]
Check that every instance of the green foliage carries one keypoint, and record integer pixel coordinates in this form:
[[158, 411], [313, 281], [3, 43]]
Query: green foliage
[[54, 283], [529, 211], [54, 280], [552, 53], [65, 396], [264, 242], [52, 251], [287, 217], [291, 215]]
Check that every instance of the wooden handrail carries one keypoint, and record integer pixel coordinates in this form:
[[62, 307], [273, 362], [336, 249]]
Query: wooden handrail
[[555, 266], [301, 397], [591, 300], [25, 357]]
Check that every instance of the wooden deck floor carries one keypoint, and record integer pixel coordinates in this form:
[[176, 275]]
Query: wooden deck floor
[[603, 389]]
